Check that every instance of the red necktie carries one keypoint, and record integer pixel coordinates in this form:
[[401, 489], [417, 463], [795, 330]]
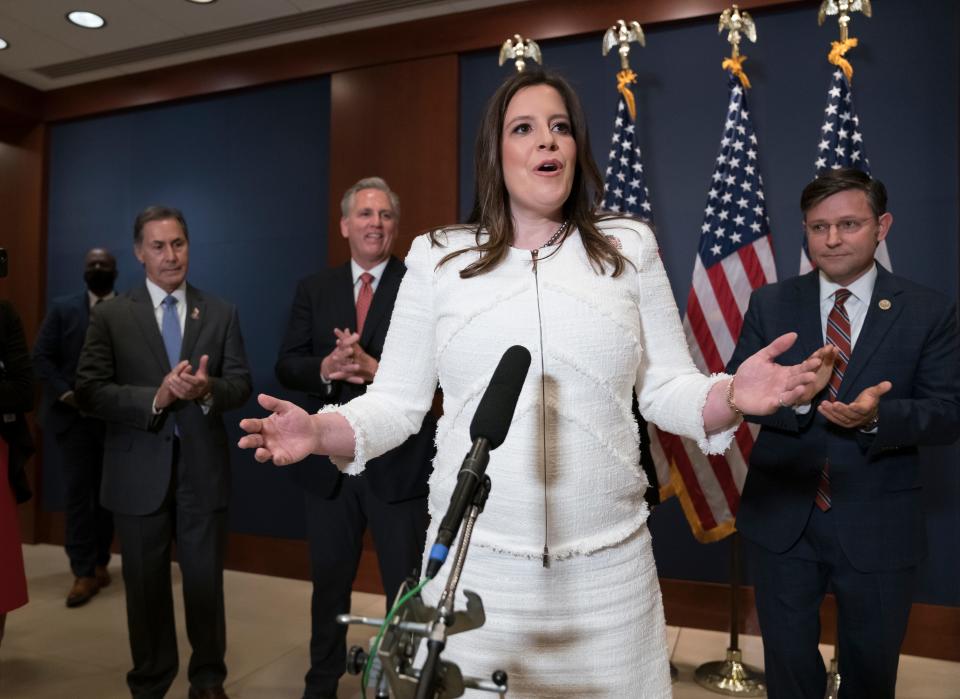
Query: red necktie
[[364, 299], [838, 335]]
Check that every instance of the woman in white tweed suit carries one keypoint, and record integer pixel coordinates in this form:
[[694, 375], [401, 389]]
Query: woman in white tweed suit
[[561, 555]]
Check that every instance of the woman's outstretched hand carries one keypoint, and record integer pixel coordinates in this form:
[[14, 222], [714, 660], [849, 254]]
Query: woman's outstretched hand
[[761, 386], [286, 436]]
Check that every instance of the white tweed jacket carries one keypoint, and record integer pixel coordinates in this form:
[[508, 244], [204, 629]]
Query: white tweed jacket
[[567, 476]]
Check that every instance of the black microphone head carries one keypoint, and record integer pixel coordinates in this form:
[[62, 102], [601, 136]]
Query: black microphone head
[[495, 411]]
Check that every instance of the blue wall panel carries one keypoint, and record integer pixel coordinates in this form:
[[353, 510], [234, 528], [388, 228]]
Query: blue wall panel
[[249, 171], [906, 92]]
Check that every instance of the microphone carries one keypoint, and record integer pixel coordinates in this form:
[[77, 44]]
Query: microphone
[[487, 431]]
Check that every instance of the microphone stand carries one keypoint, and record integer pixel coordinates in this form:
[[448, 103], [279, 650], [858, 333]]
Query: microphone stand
[[430, 674]]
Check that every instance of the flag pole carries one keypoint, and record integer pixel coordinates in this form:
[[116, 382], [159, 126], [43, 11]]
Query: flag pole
[[632, 198], [731, 676], [843, 9]]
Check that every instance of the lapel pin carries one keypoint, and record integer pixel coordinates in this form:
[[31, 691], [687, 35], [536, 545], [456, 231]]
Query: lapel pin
[[885, 304], [195, 313]]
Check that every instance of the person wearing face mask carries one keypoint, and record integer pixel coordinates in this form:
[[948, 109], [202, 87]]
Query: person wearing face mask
[[79, 438], [561, 556]]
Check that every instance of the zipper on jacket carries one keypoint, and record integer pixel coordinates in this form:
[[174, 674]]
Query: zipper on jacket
[[543, 408]]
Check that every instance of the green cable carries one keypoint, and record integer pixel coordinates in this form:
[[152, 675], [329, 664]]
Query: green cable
[[383, 627]]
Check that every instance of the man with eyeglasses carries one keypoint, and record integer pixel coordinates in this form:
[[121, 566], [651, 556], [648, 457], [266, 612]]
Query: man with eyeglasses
[[832, 497]]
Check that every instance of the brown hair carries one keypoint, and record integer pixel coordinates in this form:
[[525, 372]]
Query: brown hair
[[841, 180], [491, 208]]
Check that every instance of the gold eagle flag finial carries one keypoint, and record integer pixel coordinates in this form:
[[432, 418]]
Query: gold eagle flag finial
[[517, 49], [738, 24], [621, 35], [843, 8]]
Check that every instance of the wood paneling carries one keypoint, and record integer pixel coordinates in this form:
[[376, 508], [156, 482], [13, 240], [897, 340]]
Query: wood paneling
[[933, 630], [398, 121], [19, 104], [450, 34]]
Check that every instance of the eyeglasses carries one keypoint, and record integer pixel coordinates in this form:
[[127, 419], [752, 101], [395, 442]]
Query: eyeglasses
[[844, 225]]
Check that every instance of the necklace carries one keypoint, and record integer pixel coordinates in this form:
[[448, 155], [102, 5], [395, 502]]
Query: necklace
[[554, 238]]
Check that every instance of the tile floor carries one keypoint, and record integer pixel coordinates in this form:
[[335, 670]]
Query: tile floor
[[50, 652]]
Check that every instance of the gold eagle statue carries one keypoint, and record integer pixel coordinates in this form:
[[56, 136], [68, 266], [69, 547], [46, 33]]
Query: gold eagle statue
[[517, 49], [621, 34], [842, 7], [738, 23]]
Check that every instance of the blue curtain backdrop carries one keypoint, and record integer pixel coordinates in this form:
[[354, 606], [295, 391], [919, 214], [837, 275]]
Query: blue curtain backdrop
[[249, 171], [906, 93]]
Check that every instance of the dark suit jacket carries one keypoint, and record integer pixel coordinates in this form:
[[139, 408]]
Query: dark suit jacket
[[16, 398], [121, 366], [324, 301], [874, 478], [55, 356]]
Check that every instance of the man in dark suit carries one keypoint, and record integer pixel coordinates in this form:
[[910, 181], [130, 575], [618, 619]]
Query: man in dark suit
[[79, 438], [161, 363], [324, 358], [833, 496]]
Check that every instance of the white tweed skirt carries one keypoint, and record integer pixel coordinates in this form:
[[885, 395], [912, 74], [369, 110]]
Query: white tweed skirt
[[589, 626]]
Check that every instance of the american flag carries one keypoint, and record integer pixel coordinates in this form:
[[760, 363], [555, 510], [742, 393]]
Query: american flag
[[841, 145], [625, 192], [735, 256], [625, 188]]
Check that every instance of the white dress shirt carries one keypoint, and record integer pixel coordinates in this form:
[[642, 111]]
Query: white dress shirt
[[357, 270], [857, 304], [157, 295]]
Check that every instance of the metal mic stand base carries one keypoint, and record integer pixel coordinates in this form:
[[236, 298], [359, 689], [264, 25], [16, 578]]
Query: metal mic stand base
[[731, 677]]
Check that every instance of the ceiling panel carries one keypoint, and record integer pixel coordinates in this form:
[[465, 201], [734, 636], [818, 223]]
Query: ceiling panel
[[192, 18], [29, 47], [47, 52], [127, 24]]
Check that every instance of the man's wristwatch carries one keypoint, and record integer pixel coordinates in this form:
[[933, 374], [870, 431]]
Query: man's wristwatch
[[872, 425]]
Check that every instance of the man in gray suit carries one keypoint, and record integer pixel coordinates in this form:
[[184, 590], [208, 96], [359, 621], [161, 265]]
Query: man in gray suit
[[160, 365]]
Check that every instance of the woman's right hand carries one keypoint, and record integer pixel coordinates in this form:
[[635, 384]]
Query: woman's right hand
[[286, 436]]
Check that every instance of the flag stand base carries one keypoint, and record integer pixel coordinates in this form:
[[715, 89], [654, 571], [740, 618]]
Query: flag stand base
[[833, 680], [731, 677]]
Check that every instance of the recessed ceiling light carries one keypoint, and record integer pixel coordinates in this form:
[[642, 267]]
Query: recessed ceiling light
[[201, 2], [3, 44], [87, 20]]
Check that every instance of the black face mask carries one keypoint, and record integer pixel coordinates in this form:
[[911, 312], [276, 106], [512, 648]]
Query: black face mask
[[99, 281]]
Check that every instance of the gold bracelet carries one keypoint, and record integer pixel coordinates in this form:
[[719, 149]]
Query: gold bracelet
[[730, 402]]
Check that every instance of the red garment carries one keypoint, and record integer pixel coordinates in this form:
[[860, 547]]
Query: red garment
[[13, 581], [364, 299]]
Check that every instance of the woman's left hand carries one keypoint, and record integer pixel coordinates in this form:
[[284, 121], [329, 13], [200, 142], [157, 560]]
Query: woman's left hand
[[761, 386]]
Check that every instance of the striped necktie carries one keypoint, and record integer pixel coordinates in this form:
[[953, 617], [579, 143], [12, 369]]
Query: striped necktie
[[838, 335]]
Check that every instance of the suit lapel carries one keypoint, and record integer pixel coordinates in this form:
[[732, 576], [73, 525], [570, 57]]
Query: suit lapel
[[876, 325], [345, 315], [143, 312], [807, 305], [382, 300], [196, 307]]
